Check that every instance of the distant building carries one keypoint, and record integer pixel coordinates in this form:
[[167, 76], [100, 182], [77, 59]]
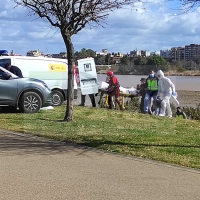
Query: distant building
[[62, 55], [178, 53], [103, 53], [145, 53], [34, 53], [155, 53], [118, 55], [14, 54], [135, 53], [116, 59], [165, 53], [48, 56], [191, 51]]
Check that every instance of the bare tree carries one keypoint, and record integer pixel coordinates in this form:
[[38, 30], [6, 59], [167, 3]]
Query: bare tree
[[71, 16], [189, 5]]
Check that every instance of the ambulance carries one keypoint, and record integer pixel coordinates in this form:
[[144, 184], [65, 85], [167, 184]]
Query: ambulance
[[54, 72]]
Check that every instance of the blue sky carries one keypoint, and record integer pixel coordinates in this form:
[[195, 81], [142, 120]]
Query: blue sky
[[151, 26]]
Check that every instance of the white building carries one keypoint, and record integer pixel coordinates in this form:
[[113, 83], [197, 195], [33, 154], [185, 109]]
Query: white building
[[34, 53], [165, 53], [103, 53], [135, 53], [145, 53], [155, 53]]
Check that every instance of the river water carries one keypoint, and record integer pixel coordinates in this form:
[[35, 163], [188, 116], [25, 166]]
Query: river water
[[190, 83]]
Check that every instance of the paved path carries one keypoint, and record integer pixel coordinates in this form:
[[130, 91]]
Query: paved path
[[32, 168]]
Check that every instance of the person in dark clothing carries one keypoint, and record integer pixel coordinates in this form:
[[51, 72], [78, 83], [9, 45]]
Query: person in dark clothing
[[142, 93], [92, 98], [14, 69], [180, 114]]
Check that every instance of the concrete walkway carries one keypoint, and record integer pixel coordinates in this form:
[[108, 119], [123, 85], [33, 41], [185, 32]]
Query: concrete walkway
[[33, 168]]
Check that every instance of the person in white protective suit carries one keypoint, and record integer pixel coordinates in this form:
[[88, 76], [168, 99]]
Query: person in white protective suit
[[167, 89]]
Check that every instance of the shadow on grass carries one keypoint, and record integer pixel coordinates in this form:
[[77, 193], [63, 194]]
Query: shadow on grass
[[26, 144], [97, 143]]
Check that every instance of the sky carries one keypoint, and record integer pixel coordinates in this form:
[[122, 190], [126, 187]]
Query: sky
[[153, 26]]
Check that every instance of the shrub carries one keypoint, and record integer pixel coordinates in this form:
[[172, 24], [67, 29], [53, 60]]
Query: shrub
[[133, 104], [192, 113], [181, 69]]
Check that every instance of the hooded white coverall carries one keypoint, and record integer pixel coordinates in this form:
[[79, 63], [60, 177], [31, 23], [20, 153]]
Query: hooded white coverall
[[166, 87]]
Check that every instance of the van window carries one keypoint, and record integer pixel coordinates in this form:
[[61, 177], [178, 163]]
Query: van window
[[4, 61]]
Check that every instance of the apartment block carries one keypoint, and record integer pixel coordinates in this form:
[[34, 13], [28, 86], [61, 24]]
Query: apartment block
[[178, 53], [191, 51]]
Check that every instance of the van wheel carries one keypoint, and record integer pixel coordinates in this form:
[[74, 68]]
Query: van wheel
[[30, 102], [57, 98]]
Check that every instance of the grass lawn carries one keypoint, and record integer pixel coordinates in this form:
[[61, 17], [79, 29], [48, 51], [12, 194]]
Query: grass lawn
[[163, 139]]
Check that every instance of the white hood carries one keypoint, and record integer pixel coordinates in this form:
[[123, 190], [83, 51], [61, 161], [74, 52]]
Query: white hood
[[160, 73], [165, 85]]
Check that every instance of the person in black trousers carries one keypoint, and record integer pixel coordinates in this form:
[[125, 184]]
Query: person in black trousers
[[142, 93], [92, 98], [14, 69]]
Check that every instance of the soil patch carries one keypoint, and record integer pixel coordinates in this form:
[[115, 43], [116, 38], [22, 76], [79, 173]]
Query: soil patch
[[188, 98]]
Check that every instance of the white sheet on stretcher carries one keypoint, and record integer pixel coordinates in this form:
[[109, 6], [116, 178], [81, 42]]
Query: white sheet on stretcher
[[103, 86]]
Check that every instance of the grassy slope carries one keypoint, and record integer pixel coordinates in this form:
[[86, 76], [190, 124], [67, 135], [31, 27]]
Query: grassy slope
[[170, 140]]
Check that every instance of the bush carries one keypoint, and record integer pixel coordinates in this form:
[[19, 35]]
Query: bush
[[133, 104], [192, 113], [181, 69]]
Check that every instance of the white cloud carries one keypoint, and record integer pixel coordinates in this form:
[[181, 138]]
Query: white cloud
[[152, 26]]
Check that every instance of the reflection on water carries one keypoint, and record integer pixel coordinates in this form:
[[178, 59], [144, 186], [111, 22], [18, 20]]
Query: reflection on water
[[190, 83]]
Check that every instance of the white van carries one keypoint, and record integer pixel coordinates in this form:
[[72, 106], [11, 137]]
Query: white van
[[54, 72]]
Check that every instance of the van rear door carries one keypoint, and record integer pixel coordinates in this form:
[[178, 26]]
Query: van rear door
[[88, 76]]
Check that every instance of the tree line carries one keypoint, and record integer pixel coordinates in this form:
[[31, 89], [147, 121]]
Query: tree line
[[140, 64]]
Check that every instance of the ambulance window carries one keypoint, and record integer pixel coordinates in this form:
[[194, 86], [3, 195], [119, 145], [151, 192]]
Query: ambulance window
[[87, 67], [4, 61]]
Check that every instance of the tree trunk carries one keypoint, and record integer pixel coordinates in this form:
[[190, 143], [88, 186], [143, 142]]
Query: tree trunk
[[70, 92]]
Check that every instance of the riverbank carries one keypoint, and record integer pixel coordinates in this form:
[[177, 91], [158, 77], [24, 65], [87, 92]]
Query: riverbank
[[185, 73], [170, 73]]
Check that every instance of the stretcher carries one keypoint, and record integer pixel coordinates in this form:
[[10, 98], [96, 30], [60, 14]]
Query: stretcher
[[124, 94]]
